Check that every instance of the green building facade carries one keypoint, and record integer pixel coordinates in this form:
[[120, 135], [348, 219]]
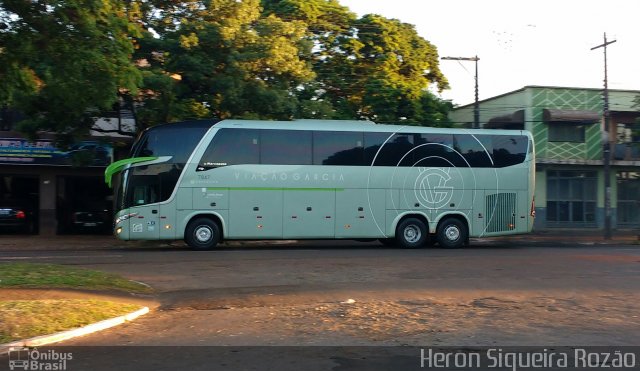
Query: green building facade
[[567, 126]]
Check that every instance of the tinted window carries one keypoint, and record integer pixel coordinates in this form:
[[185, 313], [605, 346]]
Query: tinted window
[[285, 147], [372, 144], [509, 150], [566, 133], [337, 148], [396, 151], [162, 142], [231, 147], [435, 150], [476, 150]]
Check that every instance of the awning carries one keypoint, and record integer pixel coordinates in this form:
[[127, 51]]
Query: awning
[[570, 116], [513, 120]]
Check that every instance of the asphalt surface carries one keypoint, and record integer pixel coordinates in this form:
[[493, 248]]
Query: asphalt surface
[[289, 304]]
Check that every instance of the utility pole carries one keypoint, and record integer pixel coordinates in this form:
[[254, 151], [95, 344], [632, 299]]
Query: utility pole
[[476, 104], [606, 145]]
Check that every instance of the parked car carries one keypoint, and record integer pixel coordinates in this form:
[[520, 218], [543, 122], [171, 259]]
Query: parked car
[[91, 217], [16, 216]]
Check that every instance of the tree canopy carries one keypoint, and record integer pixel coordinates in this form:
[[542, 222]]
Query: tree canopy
[[64, 62]]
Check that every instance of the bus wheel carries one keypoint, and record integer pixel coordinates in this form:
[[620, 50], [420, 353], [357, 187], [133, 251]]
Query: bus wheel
[[202, 234], [412, 233], [452, 233]]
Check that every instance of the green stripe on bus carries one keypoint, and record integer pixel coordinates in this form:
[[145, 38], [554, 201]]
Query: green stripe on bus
[[275, 189], [119, 165]]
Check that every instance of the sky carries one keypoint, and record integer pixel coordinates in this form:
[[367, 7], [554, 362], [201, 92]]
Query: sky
[[520, 43]]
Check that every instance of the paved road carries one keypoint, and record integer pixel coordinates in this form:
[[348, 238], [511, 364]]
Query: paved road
[[331, 293]]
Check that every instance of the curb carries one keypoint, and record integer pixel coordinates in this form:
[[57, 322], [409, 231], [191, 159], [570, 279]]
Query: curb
[[69, 334]]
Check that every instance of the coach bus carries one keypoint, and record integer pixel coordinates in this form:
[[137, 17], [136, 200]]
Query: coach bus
[[408, 186]]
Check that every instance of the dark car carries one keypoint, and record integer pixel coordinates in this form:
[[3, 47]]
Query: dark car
[[87, 221], [15, 216], [91, 217]]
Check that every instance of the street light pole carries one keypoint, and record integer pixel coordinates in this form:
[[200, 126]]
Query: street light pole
[[606, 145], [476, 104]]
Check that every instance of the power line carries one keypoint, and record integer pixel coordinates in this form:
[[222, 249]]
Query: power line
[[476, 104]]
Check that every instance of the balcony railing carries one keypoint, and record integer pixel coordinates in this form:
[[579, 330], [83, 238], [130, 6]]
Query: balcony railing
[[626, 151]]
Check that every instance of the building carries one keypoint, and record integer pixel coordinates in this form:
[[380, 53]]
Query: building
[[568, 127], [61, 190]]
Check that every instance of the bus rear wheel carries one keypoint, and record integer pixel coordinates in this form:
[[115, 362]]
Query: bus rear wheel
[[412, 233], [452, 233], [202, 234]]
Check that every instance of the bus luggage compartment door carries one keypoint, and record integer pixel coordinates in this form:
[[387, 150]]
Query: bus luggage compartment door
[[309, 213], [255, 213], [360, 213]]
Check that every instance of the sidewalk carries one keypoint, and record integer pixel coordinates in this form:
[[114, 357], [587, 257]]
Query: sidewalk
[[573, 236]]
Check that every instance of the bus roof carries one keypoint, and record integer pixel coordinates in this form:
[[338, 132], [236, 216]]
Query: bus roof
[[353, 125], [332, 125]]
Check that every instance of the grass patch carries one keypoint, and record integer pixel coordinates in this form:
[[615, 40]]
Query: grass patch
[[29, 275], [22, 319]]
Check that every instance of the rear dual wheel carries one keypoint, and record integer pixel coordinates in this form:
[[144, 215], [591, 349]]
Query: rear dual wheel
[[452, 233], [412, 233]]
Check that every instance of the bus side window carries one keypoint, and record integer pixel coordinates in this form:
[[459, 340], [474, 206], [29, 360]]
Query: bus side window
[[231, 147], [285, 147], [397, 151], [477, 150], [372, 144], [337, 148], [509, 150], [436, 150]]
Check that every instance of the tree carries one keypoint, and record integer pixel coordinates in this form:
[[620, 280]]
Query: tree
[[373, 67], [64, 61], [227, 60]]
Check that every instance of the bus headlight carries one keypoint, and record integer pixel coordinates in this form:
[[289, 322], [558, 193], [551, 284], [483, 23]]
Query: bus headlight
[[118, 230], [124, 217]]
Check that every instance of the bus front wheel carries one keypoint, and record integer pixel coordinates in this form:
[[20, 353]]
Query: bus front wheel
[[412, 233], [202, 234], [452, 233]]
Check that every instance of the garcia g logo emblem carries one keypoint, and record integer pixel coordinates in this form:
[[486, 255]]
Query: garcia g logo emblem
[[432, 189]]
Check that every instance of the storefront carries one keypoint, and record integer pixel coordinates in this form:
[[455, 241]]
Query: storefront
[[54, 187]]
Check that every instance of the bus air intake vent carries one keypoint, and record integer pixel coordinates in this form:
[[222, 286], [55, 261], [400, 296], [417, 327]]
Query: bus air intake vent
[[500, 212]]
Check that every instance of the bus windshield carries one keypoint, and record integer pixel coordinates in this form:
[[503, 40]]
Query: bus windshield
[[171, 144]]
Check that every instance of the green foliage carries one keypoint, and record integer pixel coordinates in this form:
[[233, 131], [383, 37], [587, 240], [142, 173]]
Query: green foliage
[[373, 67], [66, 61], [230, 61]]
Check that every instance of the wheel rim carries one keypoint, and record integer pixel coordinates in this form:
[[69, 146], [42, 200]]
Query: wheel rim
[[412, 234], [452, 233], [203, 234]]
